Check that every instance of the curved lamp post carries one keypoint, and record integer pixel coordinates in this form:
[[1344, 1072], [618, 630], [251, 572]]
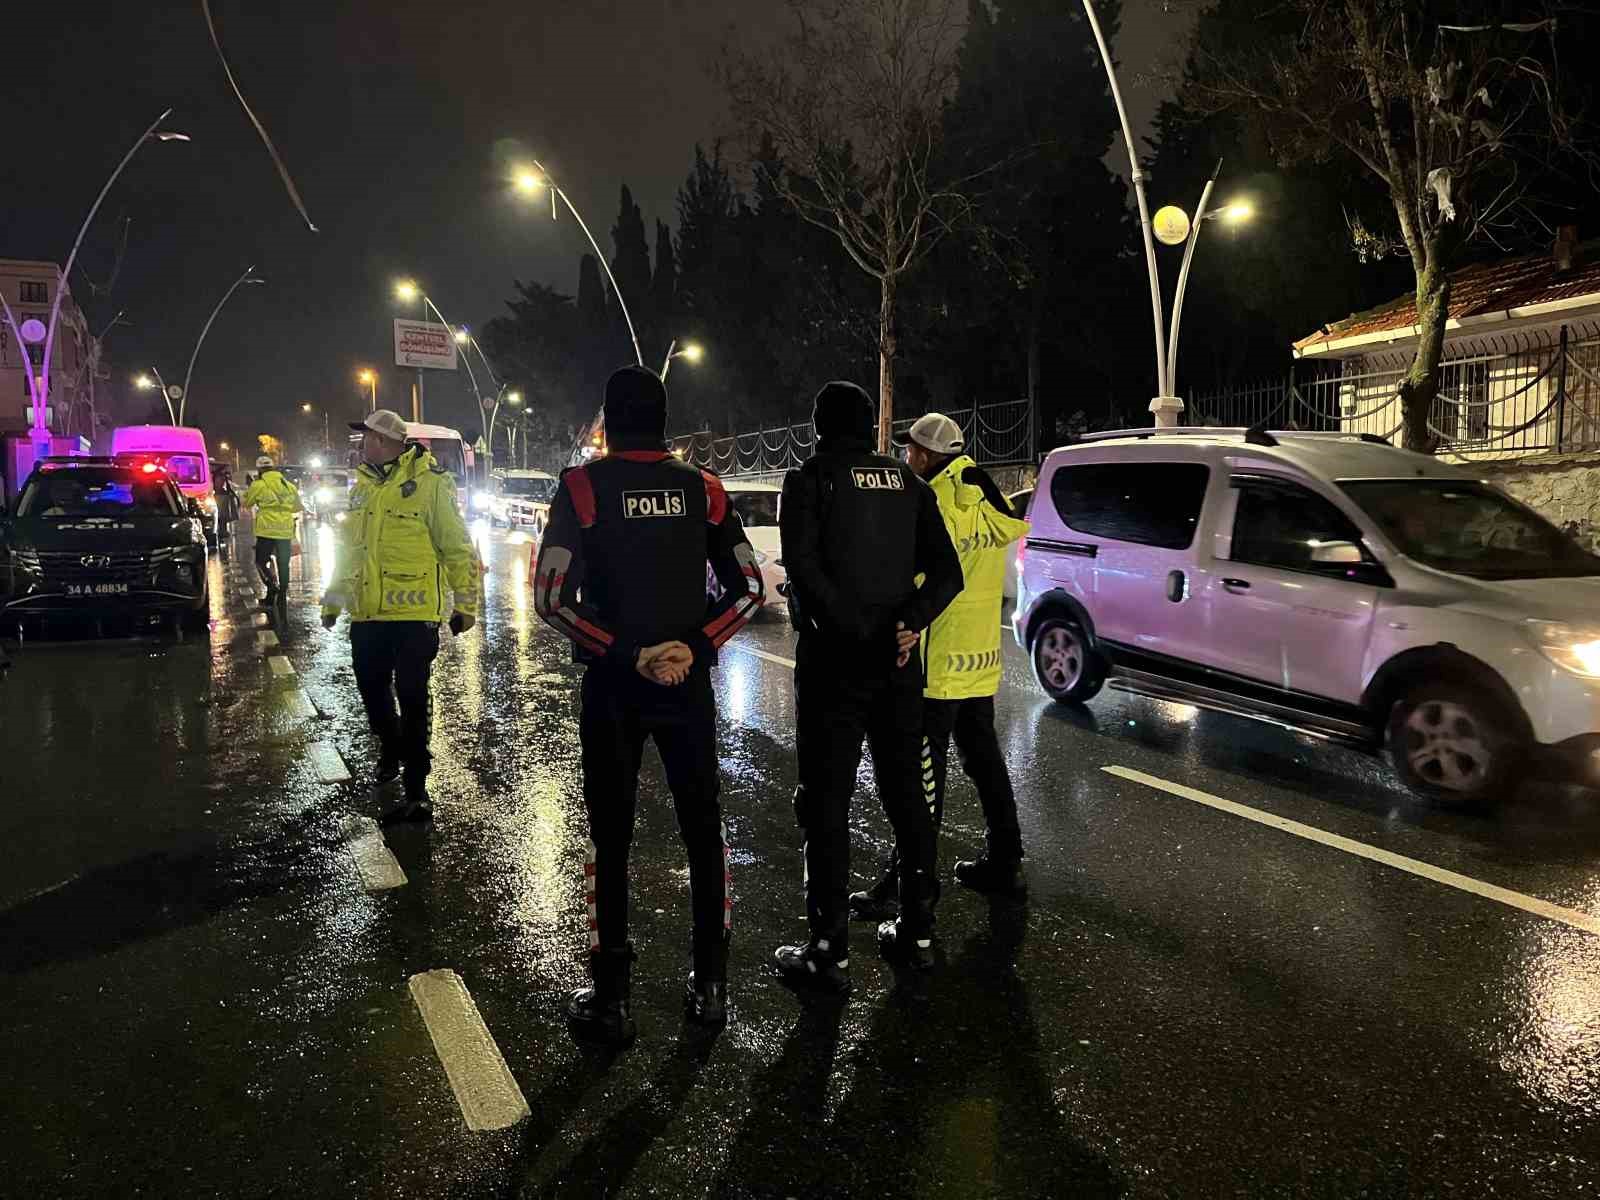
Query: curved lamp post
[[144, 383], [692, 352], [246, 277], [528, 182], [39, 387]]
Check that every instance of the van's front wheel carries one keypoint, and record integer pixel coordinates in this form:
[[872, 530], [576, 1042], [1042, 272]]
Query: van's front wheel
[[1454, 742], [1064, 662]]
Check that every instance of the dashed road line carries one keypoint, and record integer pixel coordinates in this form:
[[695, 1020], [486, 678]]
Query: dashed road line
[[774, 658], [260, 619], [280, 665], [265, 638], [325, 758], [299, 704], [484, 1086], [379, 868], [1413, 866]]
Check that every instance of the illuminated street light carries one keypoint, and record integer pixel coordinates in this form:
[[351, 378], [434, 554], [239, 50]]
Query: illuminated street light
[[144, 383], [514, 398], [370, 377], [305, 408], [462, 336], [1235, 213], [692, 352], [406, 290], [528, 183]]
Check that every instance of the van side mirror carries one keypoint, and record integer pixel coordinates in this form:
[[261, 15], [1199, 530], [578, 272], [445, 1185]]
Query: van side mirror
[[1337, 553]]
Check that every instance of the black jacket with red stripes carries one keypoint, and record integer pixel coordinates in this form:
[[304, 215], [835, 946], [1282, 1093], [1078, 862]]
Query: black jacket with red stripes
[[622, 564]]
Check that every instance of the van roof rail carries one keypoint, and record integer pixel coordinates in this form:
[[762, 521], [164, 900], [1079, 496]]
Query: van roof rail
[[1231, 431]]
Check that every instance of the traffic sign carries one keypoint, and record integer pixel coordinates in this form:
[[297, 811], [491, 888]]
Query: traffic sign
[[424, 344]]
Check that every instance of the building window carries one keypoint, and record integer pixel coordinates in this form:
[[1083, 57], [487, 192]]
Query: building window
[[34, 292]]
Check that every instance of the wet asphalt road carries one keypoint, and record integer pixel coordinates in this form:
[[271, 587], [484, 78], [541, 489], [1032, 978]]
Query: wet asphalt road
[[200, 997]]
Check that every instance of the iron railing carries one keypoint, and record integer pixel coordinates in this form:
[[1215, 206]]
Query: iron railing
[[996, 434], [1534, 398]]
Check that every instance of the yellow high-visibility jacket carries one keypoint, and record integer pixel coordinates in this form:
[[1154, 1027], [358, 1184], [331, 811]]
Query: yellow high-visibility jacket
[[961, 649], [403, 546], [276, 500]]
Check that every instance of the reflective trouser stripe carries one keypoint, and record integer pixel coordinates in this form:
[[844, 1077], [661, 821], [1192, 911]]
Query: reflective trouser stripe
[[727, 881], [588, 895]]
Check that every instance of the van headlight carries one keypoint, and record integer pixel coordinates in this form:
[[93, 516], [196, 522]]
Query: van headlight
[[480, 500], [324, 495], [1574, 648]]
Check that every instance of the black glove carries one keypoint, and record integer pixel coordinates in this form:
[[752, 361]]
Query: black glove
[[460, 622]]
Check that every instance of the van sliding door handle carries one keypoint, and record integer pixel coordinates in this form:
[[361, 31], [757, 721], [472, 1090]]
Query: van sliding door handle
[[1236, 585]]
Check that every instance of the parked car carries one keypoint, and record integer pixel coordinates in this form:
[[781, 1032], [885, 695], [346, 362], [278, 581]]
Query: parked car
[[101, 536], [325, 493], [757, 506], [1326, 583], [517, 499], [1019, 502], [181, 450]]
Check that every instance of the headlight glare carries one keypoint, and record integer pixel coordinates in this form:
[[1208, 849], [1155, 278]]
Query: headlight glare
[[1574, 648]]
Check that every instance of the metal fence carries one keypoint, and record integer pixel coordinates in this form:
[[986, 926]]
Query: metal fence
[[1536, 397], [997, 435]]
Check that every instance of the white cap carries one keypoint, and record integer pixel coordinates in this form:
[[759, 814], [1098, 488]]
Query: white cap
[[384, 421], [935, 432], [264, 461]]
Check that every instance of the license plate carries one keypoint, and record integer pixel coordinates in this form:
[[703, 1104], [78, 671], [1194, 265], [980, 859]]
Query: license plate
[[97, 589]]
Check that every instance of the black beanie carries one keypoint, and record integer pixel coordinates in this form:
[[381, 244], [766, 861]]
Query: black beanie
[[843, 410], [636, 405]]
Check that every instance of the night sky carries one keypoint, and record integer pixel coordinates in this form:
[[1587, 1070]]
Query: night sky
[[398, 121]]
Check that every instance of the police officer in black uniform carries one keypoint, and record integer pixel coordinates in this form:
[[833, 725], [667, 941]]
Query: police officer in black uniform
[[858, 528], [622, 572]]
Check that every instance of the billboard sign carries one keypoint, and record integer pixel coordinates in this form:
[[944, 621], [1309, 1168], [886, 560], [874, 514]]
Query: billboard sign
[[424, 344]]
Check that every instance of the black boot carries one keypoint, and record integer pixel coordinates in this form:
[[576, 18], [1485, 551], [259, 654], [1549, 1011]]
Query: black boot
[[388, 770], [706, 1003], [994, 877], [813, 968], [881, 901], [602, 1013], [897, 944], [415, 808]]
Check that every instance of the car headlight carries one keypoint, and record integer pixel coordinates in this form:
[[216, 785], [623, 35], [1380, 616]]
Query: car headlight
[[1574, 648], [338, 517], [480, 499], [324, 495], [209, 503]]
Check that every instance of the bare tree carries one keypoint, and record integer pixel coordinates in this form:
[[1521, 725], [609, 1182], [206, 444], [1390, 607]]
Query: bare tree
[[1461, 117], [852, 100]]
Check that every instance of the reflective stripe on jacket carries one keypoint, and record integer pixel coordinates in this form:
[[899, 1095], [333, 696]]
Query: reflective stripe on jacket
[[276, 501], [962, 646], [404, 545]]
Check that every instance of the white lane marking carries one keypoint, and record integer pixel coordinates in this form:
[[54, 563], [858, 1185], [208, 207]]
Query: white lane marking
[[300, 704], [1413, 866], [260, 619], [484, 1086], [325, 758], [280, 665], [265, 638], [776, 658], [379, 868]]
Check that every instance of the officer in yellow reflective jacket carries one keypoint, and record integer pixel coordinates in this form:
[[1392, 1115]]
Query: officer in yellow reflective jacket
[[961, 662], [403, 546], [276, 501]]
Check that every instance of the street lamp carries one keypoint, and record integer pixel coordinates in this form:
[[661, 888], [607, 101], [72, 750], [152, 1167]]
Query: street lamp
[[144, 383], [308, 409], [39, 385], [370, 377], [528, 181], [692, 352], [1235, 212], [247, 277]]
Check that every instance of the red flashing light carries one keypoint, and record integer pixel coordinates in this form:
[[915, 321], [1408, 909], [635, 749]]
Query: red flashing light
[[150, 468]]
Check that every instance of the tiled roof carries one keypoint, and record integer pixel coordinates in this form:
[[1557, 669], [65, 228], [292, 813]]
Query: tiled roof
[[1481, 288]]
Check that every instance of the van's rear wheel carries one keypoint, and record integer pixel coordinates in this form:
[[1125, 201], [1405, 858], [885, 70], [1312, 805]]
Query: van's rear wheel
[[1455, 742], [1064, 662]]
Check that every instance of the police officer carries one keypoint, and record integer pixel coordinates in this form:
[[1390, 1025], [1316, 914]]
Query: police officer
[[858, 528], [276, 501], [961, 662], [622, 572], [403, 541]]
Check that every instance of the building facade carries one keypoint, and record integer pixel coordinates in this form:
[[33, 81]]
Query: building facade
[[29, 289]]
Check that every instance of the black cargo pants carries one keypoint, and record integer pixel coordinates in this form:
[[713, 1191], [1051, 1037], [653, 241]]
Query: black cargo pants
[[268, 550], [840, 701], [971, 722], [621, 710], [392, 660]]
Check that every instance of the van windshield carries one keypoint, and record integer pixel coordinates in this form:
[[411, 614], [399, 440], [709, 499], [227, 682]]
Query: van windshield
[[1469, 529], [448, 454], [755, 508], [535, 488]]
